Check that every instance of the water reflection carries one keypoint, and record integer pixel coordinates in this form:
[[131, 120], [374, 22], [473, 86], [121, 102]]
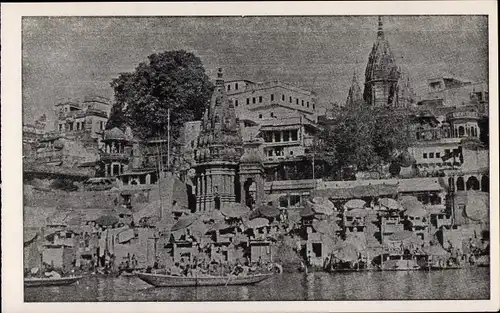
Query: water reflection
[[450, 284]]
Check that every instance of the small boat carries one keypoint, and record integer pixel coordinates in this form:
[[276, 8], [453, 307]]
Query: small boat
[[159, 280], [400, 264], [46, 282]]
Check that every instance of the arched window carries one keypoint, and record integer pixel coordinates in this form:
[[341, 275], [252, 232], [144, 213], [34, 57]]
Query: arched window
[[472, 183], [485, 183], [460, 184], [451, 183], [461, 131]]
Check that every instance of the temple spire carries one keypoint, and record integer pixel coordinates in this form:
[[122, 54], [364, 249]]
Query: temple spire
[[354, 96], [380, 31]]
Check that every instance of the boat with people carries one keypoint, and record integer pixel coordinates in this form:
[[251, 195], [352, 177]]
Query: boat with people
[[161, 280], [50, 281]]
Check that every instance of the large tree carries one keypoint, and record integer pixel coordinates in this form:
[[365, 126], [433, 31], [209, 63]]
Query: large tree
[[174, 80], [362, 137]]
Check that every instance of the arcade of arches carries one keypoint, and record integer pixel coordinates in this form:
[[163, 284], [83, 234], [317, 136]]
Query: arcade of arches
[[470, 182]]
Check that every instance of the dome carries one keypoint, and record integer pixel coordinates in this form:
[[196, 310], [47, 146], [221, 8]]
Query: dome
[[114, 134], [58, 144]]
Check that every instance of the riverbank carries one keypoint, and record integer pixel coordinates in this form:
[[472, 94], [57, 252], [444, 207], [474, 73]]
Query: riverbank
[[465, 284]]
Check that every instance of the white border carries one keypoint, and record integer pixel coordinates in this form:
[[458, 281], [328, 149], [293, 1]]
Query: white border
[[12, 286]]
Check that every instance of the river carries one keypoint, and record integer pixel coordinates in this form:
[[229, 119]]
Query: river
[[466, 284]]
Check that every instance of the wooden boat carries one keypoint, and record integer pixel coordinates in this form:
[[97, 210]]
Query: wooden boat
[[400, 265], [159, 280], [47, 282]]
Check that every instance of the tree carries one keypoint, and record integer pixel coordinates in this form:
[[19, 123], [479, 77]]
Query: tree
[[362, 137], [174, 80]]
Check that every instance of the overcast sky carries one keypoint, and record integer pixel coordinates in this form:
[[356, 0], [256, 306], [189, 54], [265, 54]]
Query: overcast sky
[[66, 58]]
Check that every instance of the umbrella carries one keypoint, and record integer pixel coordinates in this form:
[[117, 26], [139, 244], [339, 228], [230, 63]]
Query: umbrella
[[294, 216], [220, 226], [274, 198], [323, 207], [165, 223], [268, 211], [346, 253], [407, 199], [401, 235], [107, 220], [257, 223], [435, 250], [306, 211], [198, 229], [390, 203], [357, 212], [216, 215], [415, 209], [183, 222], [322, 227], [355, 204], [234, 210]]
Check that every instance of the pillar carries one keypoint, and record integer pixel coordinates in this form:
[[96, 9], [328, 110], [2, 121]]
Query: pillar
[[106, 170], [242, 190], [210, 191], [198, 193], [203, 192], [112, 172]]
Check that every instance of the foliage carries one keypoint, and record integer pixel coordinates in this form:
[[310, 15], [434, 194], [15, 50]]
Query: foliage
[[63, 184], [174, 80], [363, 138]]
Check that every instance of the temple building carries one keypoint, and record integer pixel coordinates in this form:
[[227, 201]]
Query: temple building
[[386, 83], [218, 152], [354, 96]]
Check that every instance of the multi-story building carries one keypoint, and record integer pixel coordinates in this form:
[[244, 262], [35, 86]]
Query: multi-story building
[[32, 133]]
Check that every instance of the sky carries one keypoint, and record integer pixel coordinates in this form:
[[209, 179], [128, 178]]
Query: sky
[[71, 57]]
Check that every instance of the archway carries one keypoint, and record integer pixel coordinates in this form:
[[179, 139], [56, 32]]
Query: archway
[[451, 183], [249, 200], [460, 184], [461, 131], [485, 183], [472, 183]]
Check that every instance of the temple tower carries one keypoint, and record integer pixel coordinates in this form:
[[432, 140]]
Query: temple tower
[[382, 74], [218, 152], [354, 96]]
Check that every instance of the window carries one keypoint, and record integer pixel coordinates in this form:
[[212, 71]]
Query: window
[[294, 135], [236, 86], [70, 126], [431, 155], [248, 100], [446, 151], [282, 97], [286, 136], [102, 125], [297, 101], [253, 100], [260, 99], [291, 152], [236, 102], [272, 97], [290, 99], [438, 155], [307, 103], [277, 136], [270, 153], [314, 106], [302, 102], [425, 155], [272, 114], [228, 87], [260, 115], [60, 127], [268, 137]]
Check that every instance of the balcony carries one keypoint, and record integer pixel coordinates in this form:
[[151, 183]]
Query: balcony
[[462, 115], [114, 156]]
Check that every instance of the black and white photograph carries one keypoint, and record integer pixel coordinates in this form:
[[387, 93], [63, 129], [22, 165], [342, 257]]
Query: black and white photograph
[[223, 158]]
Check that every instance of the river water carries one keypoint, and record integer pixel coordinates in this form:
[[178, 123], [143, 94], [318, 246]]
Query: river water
[[466, 284]]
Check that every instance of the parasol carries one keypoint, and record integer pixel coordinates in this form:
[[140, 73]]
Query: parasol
[[357, 212], [234, 210], [415, 209], [183, 222], [198, 229], [257, 223], [107, 220], [268, 211], [407, 199], [165, 223], [435, 250], [390, 203], [294, 216], [346, 253], [322, 227], [355, 204], [220, 226], [401, 235], [323, 208], [306, 211]]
